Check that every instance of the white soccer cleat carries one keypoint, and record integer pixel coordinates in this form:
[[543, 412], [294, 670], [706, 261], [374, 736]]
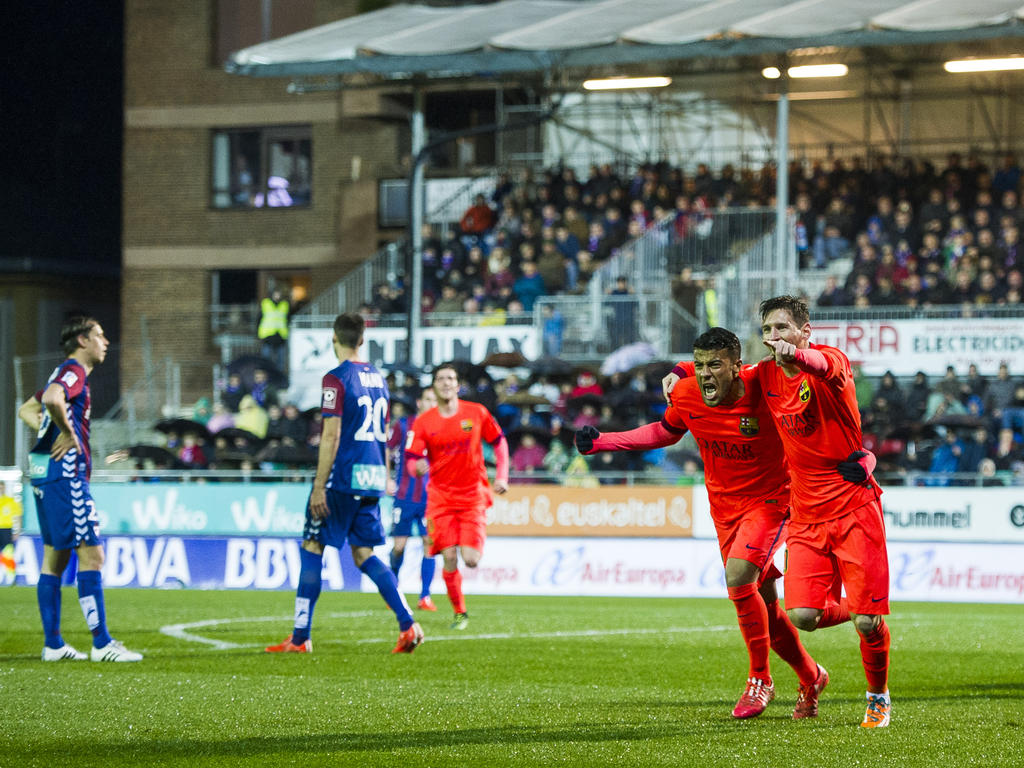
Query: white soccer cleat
[[114, 651], [64, 653]]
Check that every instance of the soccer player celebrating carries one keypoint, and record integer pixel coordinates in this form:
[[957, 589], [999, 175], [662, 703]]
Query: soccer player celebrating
[[60, 465], [351, 476], [411, 503], [446, 440], [748, 488], [836, 527]]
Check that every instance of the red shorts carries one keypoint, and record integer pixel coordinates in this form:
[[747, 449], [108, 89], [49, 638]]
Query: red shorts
[[456, 528], [851, 547], [755, 537]]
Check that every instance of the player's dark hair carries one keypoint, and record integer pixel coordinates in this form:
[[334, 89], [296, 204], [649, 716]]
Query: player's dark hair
[[796, 307], [75, 326], [719, 338], [348, 329], [449, 366]]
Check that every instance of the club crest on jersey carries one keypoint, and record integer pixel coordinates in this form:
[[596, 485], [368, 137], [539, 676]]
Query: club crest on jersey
[[805, 391], [466, 425], [749, 426]]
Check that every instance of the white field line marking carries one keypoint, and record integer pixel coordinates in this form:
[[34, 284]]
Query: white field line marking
[[181, 631]]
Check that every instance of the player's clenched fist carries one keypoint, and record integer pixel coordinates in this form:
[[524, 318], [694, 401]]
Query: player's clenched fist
[[585, 438]]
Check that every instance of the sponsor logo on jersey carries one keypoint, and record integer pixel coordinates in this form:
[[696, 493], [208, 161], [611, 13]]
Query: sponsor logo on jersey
[[369, 477], [749, 426], [805, 391], [70, 378], [467, 425], [329, 398]]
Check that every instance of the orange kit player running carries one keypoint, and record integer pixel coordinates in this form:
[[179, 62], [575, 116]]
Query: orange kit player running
[[836, 527], [748, 488], [446, 440]]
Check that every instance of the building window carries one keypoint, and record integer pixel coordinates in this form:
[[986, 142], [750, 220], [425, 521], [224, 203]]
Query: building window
[[262, 167]]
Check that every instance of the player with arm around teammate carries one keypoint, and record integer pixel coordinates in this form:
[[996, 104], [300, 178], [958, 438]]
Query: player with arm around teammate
[[60, 464], [351, 476], [447, 442], [835, 527], [748, 488], [411, 503]]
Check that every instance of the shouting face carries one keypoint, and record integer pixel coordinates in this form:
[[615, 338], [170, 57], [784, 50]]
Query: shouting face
[[716, 371]]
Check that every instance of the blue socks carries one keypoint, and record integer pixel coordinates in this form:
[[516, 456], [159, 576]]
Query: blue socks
[[387, 585], [48, 596], [310, 583], [427, 575], [90, 597]]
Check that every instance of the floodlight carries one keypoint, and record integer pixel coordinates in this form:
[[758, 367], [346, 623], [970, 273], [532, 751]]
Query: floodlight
[[623, 83], [984, 65]]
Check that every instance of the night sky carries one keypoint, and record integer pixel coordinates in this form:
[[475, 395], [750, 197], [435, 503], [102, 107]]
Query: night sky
[[63, 88]]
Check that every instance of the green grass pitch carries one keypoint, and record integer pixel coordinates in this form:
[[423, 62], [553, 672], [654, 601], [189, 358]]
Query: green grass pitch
[[533, 681]]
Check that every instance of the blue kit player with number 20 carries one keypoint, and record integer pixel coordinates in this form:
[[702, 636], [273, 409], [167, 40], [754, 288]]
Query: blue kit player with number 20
[[351, 476]]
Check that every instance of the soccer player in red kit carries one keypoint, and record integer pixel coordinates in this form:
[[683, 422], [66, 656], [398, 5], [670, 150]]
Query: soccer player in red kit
[[834, 526], [748, 487], [447, 442]]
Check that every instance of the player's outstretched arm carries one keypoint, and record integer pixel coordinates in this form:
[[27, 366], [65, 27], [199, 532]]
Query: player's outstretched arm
[[654, 435]]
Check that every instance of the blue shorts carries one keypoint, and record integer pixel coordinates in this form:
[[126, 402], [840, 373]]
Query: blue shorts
[[355, 519], [67, 514], [410, 518]]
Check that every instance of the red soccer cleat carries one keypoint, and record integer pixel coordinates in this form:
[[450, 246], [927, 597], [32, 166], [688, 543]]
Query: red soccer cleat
[[287, 646], [409, 639], [426, 604], [754, 699], [807, 699]]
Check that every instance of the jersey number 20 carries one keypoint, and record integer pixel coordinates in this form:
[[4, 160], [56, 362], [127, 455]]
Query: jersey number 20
[[374, 414]]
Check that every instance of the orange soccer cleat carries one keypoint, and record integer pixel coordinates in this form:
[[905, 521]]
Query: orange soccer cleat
[[807, 699], [287, 646], [754, 699], [409, 639], [427, 604]]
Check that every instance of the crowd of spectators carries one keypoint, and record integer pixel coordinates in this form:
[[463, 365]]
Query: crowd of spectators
[[960, 425], [917, 235], [535, 237]]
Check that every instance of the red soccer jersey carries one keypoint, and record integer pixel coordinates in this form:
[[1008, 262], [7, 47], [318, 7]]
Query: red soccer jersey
[[452, 446], [819, 423], [741, 450]]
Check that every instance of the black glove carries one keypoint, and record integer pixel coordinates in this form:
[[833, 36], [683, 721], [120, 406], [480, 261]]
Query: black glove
[[585, 438], [851, 469]]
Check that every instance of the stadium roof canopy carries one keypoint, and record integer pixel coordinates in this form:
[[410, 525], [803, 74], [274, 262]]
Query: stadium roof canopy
[[420, 42]]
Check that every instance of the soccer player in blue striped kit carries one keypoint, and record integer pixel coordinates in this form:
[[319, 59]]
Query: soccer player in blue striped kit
[[60, 464], [351, 476]]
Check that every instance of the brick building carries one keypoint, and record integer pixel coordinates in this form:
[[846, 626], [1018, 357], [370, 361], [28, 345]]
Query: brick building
[[191, 237]]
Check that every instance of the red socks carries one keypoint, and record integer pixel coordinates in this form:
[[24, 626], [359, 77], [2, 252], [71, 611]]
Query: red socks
[[753, 619], [835, 614], [453, 581], [786, 643], [874, 653]]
